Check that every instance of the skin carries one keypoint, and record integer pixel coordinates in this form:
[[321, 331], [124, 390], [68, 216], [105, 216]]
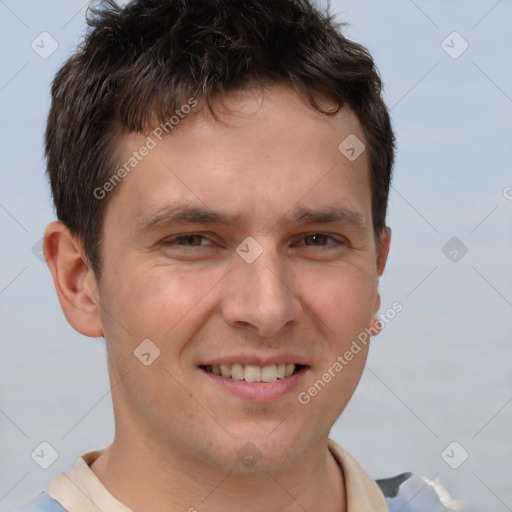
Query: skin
[[178, 433]]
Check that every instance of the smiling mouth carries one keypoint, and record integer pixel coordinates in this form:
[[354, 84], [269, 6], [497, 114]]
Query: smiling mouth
[[252, 373]]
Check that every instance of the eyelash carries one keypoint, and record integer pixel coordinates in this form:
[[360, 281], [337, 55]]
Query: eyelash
[[172, 240]]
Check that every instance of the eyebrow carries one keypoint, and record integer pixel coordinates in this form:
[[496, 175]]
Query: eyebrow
[[328, 215], [183, 213]]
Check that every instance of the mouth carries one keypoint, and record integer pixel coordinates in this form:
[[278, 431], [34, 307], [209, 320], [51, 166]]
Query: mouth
[[252, 373]]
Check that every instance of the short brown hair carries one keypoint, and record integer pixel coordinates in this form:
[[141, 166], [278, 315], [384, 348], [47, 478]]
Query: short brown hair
[[140, 62]]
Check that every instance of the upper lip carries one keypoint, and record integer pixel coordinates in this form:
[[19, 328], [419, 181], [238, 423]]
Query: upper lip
[[256, 360]]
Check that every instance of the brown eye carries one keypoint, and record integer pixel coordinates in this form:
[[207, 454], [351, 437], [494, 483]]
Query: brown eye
[[317, 239], [187, 240]]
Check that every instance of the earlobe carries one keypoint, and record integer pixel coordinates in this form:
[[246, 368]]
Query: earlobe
[[74, 279]]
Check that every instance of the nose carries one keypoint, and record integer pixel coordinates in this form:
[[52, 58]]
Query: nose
[[261, 297]]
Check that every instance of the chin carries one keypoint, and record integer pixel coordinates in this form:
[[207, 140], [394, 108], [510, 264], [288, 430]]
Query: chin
[[261, 453], [250, 461]]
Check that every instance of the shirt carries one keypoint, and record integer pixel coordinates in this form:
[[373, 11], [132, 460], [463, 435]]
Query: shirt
[[80, 490]]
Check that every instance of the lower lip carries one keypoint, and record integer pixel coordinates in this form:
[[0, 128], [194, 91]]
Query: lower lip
[[259, 391]]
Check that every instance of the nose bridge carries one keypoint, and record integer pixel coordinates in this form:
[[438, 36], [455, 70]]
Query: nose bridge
[[267, 278], [259, 296]]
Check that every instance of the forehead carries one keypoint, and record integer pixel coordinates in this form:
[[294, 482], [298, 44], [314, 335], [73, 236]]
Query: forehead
[[262, 152]]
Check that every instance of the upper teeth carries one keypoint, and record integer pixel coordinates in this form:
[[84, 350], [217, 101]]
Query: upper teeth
[[251, 373]]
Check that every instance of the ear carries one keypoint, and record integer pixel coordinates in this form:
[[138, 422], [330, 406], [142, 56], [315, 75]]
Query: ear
[[383, 250], [74, 279], [382, 257]]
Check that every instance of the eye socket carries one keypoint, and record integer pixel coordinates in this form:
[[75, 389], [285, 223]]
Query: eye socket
[[316, 239], [320, 240], [191, 240], [187, 240]]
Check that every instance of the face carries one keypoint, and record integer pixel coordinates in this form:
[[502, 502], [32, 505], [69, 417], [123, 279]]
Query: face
[[244, 250]]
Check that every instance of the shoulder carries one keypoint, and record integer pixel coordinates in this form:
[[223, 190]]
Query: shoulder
[[42, 503], [414, 493]]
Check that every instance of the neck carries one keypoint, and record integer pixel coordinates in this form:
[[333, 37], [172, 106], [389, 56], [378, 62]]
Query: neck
[[145, 477]]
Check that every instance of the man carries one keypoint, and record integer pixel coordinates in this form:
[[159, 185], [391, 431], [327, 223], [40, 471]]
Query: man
[[220, 172]]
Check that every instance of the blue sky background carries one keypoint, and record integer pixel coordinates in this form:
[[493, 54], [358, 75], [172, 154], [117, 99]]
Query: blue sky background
[[441, 370]]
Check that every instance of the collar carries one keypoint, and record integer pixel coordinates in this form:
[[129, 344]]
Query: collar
[[80, 490]]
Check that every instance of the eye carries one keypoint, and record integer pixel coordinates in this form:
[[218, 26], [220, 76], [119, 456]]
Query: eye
[[188, 240], [319, 240]]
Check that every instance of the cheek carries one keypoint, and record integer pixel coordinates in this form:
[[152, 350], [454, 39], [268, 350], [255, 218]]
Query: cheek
[[344, 307], [155, 303], [343, 300]]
